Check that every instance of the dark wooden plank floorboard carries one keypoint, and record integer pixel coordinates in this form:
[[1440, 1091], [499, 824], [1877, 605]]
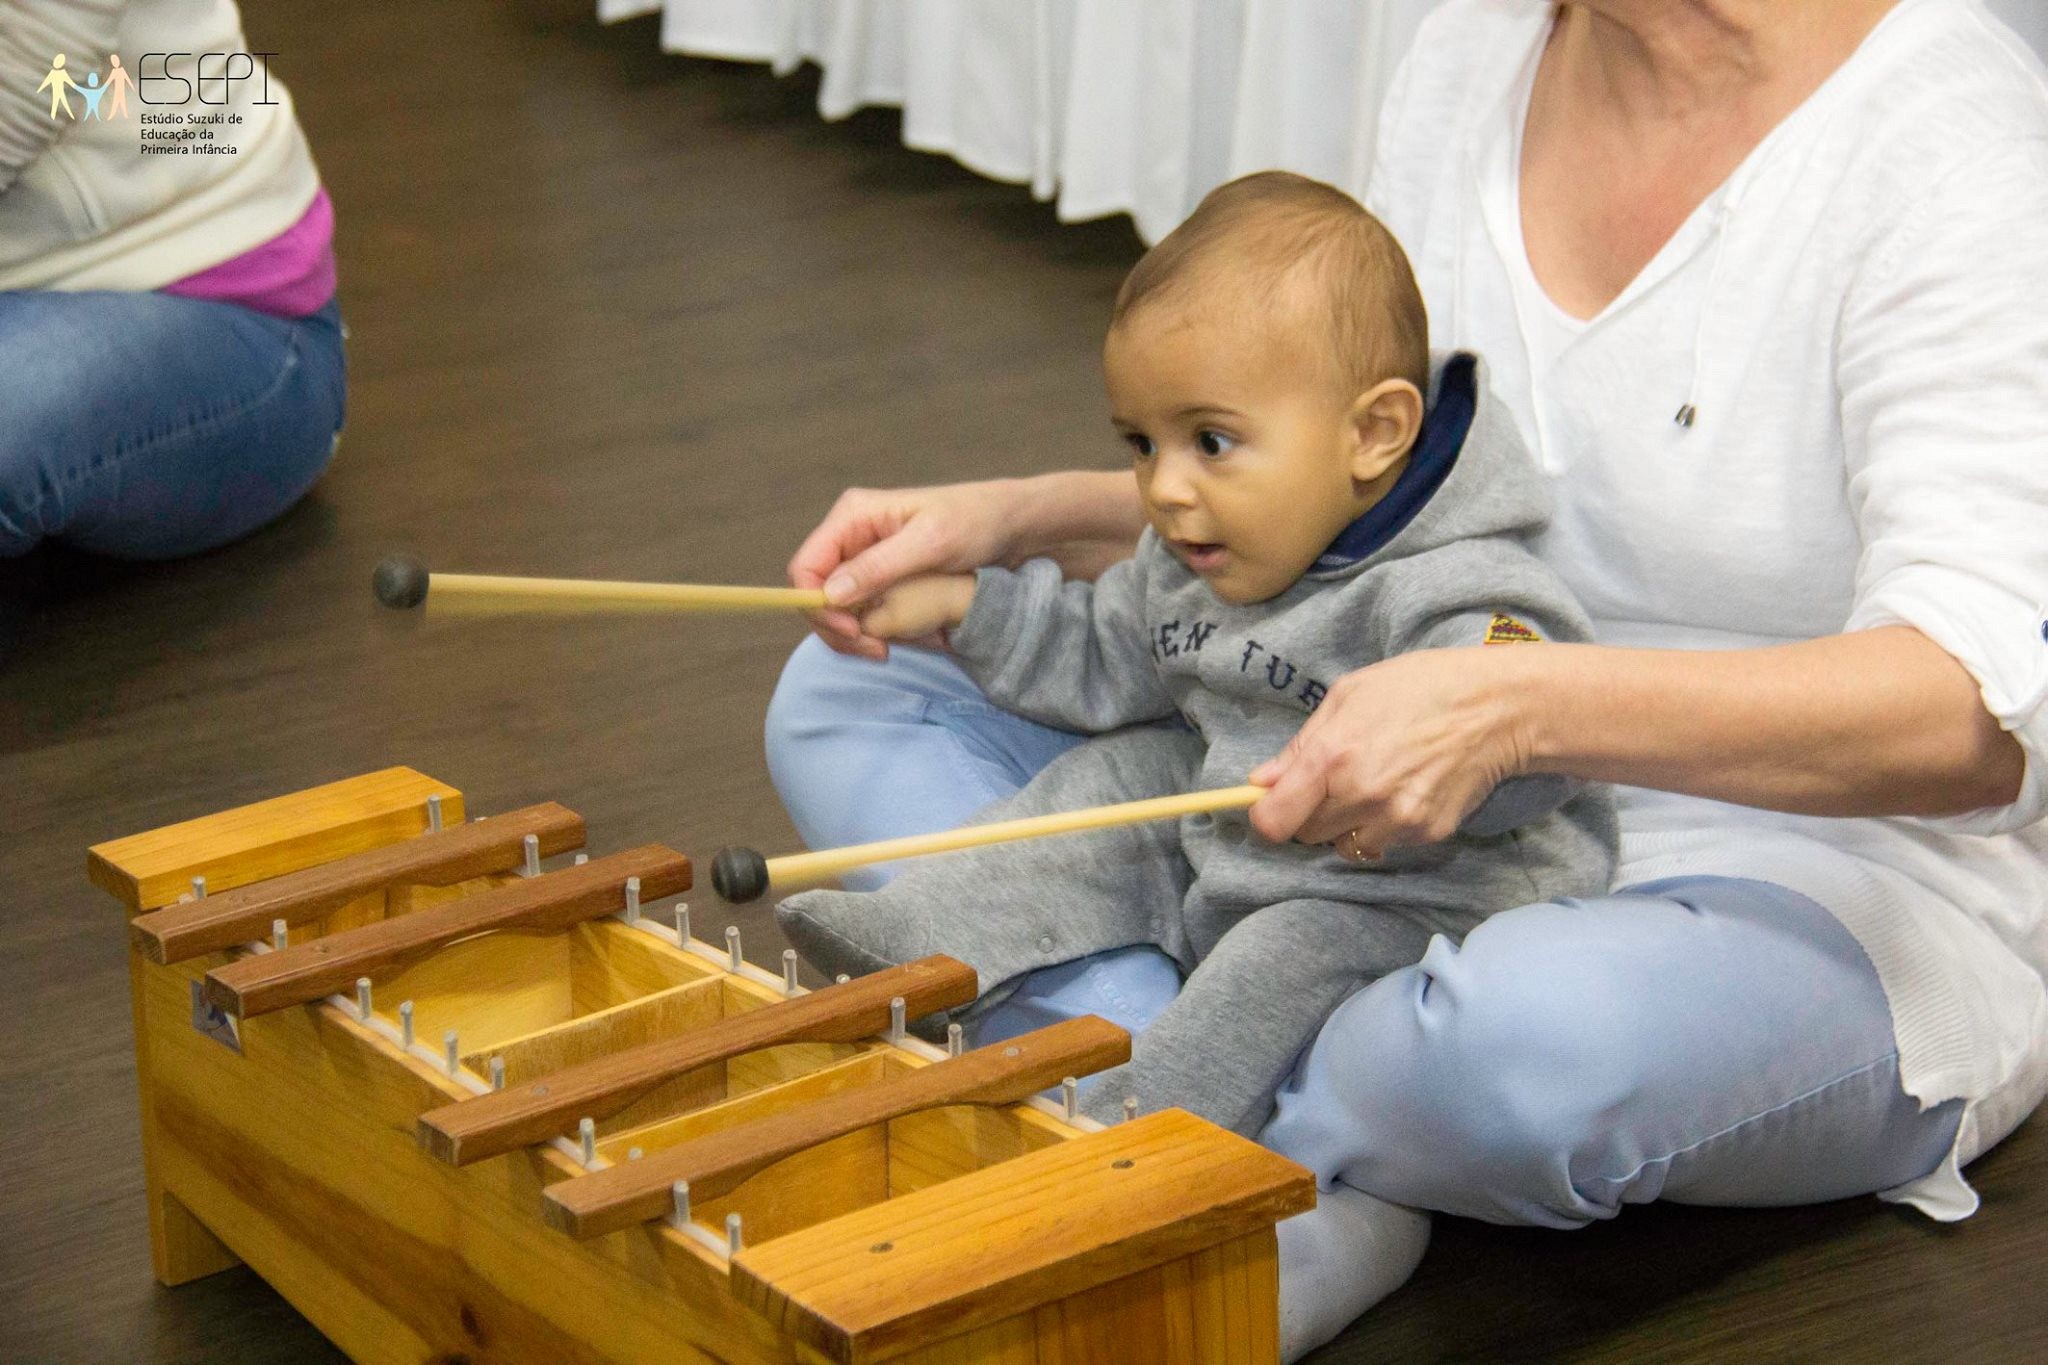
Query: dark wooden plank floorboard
[[622, 315]]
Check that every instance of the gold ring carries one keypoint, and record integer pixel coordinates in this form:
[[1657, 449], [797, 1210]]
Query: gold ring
[[1357, 854]]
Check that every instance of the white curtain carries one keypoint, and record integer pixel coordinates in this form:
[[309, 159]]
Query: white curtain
[[1103, 106]]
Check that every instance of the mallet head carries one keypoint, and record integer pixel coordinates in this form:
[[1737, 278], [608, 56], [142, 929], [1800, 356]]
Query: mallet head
[[739, 874], [400, 581]]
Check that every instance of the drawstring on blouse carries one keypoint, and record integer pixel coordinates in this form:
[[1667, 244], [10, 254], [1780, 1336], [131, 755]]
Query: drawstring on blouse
[[1688, 411]]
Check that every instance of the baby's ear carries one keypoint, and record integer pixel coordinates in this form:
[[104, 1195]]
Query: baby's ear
[[1384, 423]]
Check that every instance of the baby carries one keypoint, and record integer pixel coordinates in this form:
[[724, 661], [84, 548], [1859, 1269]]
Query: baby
[[1267, 364]]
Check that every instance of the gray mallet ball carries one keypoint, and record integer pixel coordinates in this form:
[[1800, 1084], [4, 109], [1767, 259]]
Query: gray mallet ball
[[400, 581], [739, 874]]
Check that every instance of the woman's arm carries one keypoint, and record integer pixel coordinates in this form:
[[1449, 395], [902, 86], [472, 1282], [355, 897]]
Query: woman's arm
[[1084, 520], [1879, 722]]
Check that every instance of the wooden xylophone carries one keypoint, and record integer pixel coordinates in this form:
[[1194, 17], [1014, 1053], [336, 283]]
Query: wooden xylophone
[[456, 1106]]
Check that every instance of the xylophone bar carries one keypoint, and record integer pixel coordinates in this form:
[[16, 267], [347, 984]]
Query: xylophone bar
[[1039, 1229], [149, 870], [487, 1125], [604, 1201], [477, 849], [546, 904]]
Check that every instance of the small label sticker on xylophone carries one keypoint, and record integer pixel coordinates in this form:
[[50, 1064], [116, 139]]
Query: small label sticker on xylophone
[[213, 1022]]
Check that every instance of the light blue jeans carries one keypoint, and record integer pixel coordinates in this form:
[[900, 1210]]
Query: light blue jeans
[[145, 426], [1706, 1040]]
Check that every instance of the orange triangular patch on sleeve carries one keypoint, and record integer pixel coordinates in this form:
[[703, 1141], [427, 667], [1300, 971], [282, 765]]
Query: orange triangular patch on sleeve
[[1506, 630]]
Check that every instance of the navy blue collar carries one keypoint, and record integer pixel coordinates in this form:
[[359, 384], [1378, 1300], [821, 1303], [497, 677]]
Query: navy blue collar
[[1443, 433]]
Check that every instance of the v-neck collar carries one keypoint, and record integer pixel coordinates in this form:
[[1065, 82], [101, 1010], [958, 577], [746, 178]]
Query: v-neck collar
[[1497, 162]]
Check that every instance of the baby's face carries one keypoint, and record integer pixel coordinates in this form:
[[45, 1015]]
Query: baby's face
[[1241, 445]]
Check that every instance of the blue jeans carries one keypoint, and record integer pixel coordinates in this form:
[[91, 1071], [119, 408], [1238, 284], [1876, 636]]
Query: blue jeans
[[145, 426], [1707, 1040]]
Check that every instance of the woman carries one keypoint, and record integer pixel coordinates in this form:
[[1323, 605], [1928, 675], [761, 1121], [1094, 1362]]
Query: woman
[[170, 350], [1767, 287]]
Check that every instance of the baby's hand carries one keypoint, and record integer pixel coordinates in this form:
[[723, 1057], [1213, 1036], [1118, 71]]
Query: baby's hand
[[917, 610]]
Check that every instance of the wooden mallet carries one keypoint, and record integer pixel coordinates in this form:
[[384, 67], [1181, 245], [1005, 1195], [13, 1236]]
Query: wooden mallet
[[404, 582], [741, 874]]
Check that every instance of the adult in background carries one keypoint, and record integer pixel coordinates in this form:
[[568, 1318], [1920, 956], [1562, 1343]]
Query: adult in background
[[1767, 288], [170, 348]]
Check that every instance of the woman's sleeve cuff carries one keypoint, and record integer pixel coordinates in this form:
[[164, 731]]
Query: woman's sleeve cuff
[[2002, 640]]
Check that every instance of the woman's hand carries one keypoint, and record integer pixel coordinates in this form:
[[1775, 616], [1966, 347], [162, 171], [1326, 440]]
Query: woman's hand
[[1398, 753], [873, 538]]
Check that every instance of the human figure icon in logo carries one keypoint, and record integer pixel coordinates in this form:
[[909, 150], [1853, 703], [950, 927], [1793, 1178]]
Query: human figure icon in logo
[[120, 82], [93, 92], [56, 83]]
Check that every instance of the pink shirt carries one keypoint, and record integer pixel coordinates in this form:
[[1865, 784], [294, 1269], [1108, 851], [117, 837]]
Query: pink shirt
[[289, 276]]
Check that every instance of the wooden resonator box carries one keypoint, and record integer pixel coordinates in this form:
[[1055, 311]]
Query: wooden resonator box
[[461, 1093]]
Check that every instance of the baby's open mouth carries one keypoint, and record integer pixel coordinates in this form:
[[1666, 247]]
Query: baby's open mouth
[[1201, 556]]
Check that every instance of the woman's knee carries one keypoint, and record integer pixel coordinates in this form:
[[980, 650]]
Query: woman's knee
[[159, 427], [808, 692], [1474, 1082], [44, 386], [841, 729], [823, 697], [1515, 1076], [915, 719], [21, 504], [1572, 1057], [812, 700]]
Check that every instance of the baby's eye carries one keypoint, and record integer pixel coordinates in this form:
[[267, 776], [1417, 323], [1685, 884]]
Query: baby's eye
[[1140, 444], [1214, 442]]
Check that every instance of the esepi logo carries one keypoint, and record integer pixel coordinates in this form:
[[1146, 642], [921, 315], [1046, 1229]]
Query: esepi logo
[[166, 80], [60, 85]]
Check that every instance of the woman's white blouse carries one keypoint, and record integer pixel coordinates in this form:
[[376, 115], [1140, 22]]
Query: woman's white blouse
[[1858, 320]]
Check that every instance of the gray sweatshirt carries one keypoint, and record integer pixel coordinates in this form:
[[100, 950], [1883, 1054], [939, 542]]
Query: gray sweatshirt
[[1214, 689]]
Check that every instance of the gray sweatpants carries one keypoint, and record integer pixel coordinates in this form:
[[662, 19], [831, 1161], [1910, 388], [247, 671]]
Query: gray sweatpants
[[1261, 974]]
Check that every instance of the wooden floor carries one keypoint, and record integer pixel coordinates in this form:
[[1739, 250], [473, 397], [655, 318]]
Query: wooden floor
[[621, 315]]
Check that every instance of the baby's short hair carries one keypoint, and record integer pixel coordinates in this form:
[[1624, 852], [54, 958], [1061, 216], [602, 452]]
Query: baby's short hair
[[1276, 234]]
